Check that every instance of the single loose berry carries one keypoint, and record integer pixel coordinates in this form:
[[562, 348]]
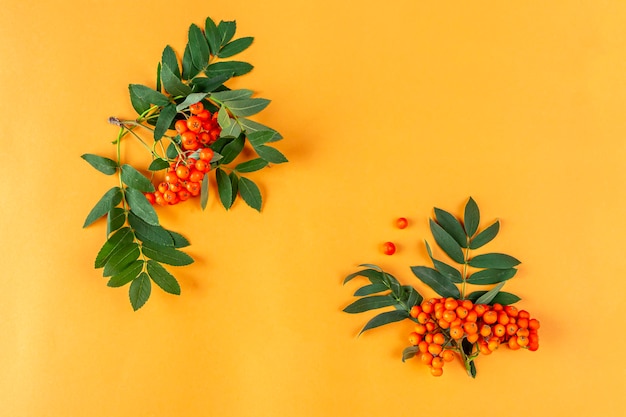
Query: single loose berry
[[389, 248]]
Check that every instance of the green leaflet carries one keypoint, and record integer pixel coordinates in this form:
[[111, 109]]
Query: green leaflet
[[170, 60], [224, 188], [148, 95], [189, 69], [485, 236], [198, 47], [115, 219], [204, 192], [232, 150], [488, 296], [207, 85], [437, 281], [189, 100], [226, 31], [139, 291], [166, 117], [158, 164], [172, 84], [141, 207], [128, 274], [229, 95], [120, 259], [235, 47], [109, 200], [370, 289], [491, 276], [230, 68], [246, 107], [452, 226], [105, 165], [452, 273], [447, 243], [179, 240], [409, 352], [223, 119], [212, 35], [251, 126], [119, 239], [162, 278], [251, 165], [502, 297], [370, 303], [471, 218], [135, 179], [374, 275], [150, 233], [250, 193], [165, 254], [271, 155], [385, 318], [494, 260]]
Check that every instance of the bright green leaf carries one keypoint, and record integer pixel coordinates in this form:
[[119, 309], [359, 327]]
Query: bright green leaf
[[165, 254], [409, 352], [148, 95], [491, 276], [223, 119], [163, 278], [170, 60], [234, 183], [230, 68], [117, 240], [250, 193], [192, 98], [140, 206], [251, 165], [164, 121], [471, 218], [208, 85], [140, 291], [494, 260], [149, 233], [204, 192], [374, 275], [235, 47], [129, 273], [490, 295], [271, 155], [226, 31], [115, 219], [118, 261], [447, 243], [232, 150], [179, 240], [441, 284], [229, 95], [189, 69], [172, 84], [259, 138], [504, 298], [135, 179], [158, 164], [247, 107], [224, 188], [109, 200], [198, 47], [251, 126], [105, 165]]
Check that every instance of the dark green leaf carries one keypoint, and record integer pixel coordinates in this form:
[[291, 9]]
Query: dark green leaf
[[105, 165], [118, 240], [259, 138], [140, 206], [149, 233], [226, 31], [447, 243], [250, 193], [172, 84], [411, 297], [198, 47], [118, 261], [441, 284], [490, 295], [171, 150], [179, 240], [471, 218], [230, 95], [148, 95], [370, 289], [109, 200], [158, 78], [450, 224], [207, 85], [192, 98], [165, 254], [140, 291], [234, 183], [230, 68], [447, 270], [491, 276], [140, 105], [129, 273], [385, 318], [204, 192], [251, 126], [472, 369], [189, 69], [246, 107], [163, 278], [232, 150], [235, 47], [158, 164], [409, 352], [370, 303], [394, 285], [251, 166], [494, 260], [485, 236], [213, 36], [170, 60], [502, 297], [374, 275], [166, 117], [115, 219], [135, 179], [271, 155]]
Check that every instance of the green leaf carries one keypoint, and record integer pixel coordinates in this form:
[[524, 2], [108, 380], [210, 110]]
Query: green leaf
[[179, 240], [139, 291], [233, 130], [229, 95], [230, 68], [208, 85], [271, 155], [226, 31], [172, 84], [441, 284], [118, 261], [105, 165], [251, 126], [171, 151], [251, 166], [385, 318], [370, 303], [485, 236], [374, 275], [491, 276], [504, 298], [158, 164], [370, 289], [235, 47], [223, 119], [140, 105], [246, 107], [158, 78], [234, 183], [232, 150], [150, 233], [409, 352], [170, 60], [148, 95], [250, 193], [163, 278], [109, 200], [129, 273], [447, 243], [450, 224], [411, 297], [198, 47], [204, 192], [119, 239], [189, 69], [494, 260], [192, 98], [490, 295], [452, 273], [140, 206], [164, 121], [135, 179], [115, 219], [165, 254], [213, 36], [471, 218], [260, 137]]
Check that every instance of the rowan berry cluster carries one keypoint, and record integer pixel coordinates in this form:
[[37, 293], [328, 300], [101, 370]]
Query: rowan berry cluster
[[184, 177], [445, 324]]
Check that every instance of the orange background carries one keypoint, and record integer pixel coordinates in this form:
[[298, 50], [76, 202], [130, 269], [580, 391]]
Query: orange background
[[387, 110]]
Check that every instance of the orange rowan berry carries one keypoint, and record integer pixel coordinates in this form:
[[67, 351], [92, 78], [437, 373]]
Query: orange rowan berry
[[196, 108], [447, 355], [480, 309], [523, 314], [451, 303], [471, 316], [513, 343], [470, 327], [439, 338], [468, 304], [522, 332], [204, 115], [490, 317], [456, 322], [194, 123], [456, 332], [430, 326], [497, 307], [523, 341], [485, 330], [414, 338], [484, 348], [163, 187], [434, 349], [437, 362], [493, 343], [534, 324], [183, 172], [461, 312], [420, 329], [422, 346], [498, 330], [181, 126], [472, 338], [422, 317], [511, 311], [427, 307], [183, 194], [449, 316], [503, 318], [426, 358], [511, 329], [522, 322], [150, 197], [415, 310], [436, 371], [443, 324]]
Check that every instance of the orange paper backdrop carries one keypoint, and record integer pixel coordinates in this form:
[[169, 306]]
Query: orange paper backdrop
[[387, 109]]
